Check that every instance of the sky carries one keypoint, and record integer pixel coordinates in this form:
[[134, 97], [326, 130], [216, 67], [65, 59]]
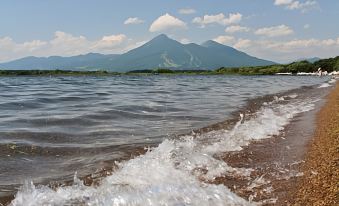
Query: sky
[[277, 30]]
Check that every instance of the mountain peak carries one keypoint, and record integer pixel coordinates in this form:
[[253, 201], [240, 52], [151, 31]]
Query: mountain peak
[[162, 41], [211, 43], [161, 37], [161, 51]]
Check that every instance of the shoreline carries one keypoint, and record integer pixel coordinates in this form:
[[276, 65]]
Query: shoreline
[[235, 159], [319, 185], [275, 162], [285, 165]]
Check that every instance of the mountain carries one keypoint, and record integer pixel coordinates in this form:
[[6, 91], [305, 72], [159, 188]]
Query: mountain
[[310, 60], [160, 52], [87, 61]]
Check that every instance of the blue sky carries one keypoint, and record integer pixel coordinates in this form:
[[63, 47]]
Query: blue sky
[[279, 30]]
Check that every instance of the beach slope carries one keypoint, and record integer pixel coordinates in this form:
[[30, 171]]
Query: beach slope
[[319, 185]]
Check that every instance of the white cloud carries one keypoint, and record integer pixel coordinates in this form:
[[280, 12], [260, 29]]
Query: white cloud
[[221, 19], [68, 44], [108, 42], [185, 41], [9, 49], [282, 2], [167, 22], [236, 28], [133, 20], [283, 51], [133, 45], [281, 30], [294, 4], [64, 44], [307, 26], [33, 45], [227, 40], [300, 44], [232, 41], [242, 43], [186, 11], [286, 51]]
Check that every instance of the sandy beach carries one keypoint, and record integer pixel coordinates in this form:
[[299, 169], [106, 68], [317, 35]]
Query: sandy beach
[[298, 167], [319, 185]]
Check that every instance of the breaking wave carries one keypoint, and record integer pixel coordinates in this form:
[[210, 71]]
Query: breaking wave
[[178, 171], [328, 84]]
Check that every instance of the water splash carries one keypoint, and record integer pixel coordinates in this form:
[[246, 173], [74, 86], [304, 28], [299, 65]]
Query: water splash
[[176, 172]]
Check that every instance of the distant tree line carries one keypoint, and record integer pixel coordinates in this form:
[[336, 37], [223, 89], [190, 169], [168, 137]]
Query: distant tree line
[[329, 65]]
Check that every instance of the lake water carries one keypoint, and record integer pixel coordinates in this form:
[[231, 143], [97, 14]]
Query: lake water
[[51, 127]]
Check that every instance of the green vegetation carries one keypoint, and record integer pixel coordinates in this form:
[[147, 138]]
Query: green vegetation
[[169, 71], [329, 65]]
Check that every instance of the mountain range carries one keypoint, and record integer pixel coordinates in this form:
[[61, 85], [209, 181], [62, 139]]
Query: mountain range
[[310, 60], [160, 52]]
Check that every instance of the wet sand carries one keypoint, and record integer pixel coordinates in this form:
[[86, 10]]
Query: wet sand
[[284, 166], [275, 163], [320, 183]]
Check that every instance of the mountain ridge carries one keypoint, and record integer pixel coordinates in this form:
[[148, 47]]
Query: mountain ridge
[[160, 52]]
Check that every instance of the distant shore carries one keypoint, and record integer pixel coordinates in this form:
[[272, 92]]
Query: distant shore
[[327, 65], [305, 67]]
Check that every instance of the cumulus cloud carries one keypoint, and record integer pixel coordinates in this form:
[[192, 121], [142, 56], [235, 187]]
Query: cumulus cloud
[[221, 19], [133, 20], [242, 43], [283, 51], [167, 22], [186, 11], [227, 40], [281, 30], [32, 45], [63, 44], [294, 5], [68, 44], [286, 51], [133, 44], [108, 42], [185, 41], [303, 43], [282, 2], [236, 28], [9, 49]]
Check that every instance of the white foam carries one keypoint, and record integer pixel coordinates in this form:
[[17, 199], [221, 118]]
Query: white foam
[[328, 84], [293, 96], [324, 85], [333, 80], [172, 173]]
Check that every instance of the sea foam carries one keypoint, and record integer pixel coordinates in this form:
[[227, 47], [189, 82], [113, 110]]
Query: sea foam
[[178, 171]]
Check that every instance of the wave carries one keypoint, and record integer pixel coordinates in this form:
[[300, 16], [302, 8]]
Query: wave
[[177, 171], [328, 84]]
